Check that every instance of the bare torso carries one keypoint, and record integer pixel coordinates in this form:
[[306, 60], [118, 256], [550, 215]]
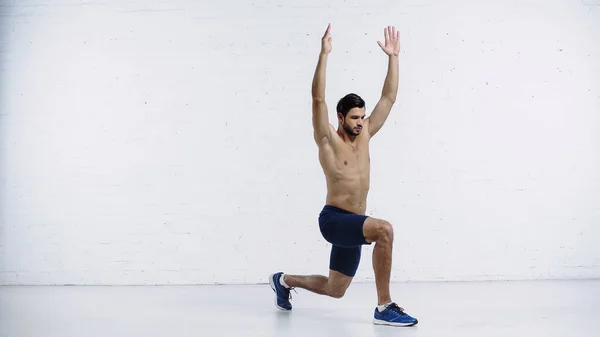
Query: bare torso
[[347, 170]]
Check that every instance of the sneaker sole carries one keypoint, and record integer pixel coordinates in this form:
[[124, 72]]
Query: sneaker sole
[[380, 322], [273, 287]]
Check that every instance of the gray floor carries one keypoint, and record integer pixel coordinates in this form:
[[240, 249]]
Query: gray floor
[[539, 308]]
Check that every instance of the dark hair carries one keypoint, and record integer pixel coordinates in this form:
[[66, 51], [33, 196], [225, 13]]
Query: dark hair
[[348, 102]]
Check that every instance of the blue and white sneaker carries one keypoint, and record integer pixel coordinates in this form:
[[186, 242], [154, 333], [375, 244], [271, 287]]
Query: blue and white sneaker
[[393, 315], [282, 294]]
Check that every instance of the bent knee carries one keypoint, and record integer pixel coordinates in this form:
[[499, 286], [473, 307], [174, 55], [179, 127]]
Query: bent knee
[[378, 230], [385, 231], [337, 293]]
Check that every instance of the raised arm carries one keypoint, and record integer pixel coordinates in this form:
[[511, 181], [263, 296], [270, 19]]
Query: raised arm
[[390, 86], [320, 119]]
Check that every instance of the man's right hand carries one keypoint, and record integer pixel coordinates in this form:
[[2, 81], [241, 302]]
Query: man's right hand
[[326, 41]]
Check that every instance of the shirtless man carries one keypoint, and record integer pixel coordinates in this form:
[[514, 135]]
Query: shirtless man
[[344, 157]]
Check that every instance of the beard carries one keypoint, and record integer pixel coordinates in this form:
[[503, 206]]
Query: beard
[[351, 131]]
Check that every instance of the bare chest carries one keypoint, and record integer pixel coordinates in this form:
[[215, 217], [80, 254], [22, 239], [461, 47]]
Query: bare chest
[[353, 158]]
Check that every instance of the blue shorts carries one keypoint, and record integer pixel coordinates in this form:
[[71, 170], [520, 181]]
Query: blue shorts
[[344, 230]]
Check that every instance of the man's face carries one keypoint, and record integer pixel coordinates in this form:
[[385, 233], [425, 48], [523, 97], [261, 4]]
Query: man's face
[[353, 122]]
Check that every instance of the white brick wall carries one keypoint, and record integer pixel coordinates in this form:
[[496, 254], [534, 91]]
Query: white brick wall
[[132, 132]]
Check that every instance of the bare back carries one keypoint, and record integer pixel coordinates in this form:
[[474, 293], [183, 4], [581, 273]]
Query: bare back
[[347, 171]]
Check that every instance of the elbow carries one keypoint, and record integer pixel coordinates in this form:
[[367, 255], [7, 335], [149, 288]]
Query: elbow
[[317, 93], [390, 98], [318, 98]]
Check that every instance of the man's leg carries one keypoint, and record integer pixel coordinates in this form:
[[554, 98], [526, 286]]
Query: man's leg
[[387, 312], [343, 263], [334, 286], [382, 233]]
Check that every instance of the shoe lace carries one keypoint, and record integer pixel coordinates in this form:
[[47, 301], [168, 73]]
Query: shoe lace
[[289, 291], [394, 307]]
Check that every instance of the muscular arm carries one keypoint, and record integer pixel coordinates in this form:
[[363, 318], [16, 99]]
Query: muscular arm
[[388, 97], [390, 87], [319, 107]]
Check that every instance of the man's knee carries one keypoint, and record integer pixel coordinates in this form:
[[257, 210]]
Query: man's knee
[[337, 284], [337, 292], [385, 232], [377, 230]]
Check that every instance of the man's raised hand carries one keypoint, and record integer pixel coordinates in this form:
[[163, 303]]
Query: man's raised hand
[[392, 41], [326, 41]]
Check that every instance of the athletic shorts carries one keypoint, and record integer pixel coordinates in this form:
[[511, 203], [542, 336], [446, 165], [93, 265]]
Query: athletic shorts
[[344, 230]]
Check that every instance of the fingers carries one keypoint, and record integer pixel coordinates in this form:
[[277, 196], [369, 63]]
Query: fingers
[[390, 33], [328, 31]]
